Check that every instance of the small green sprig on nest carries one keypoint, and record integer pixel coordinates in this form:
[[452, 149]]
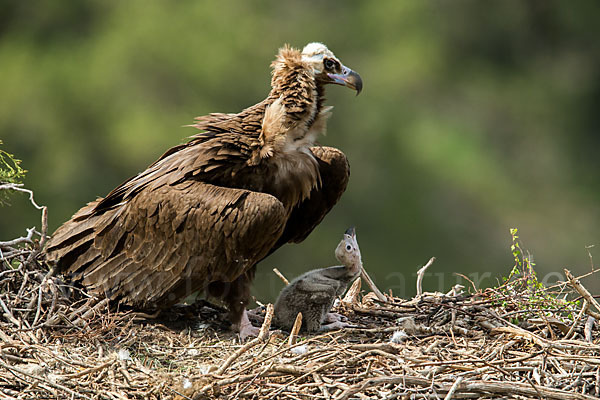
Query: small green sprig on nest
[[10, 171], [522, 293]]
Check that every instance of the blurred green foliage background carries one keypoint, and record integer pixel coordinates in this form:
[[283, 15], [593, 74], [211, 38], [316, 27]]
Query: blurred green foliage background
[[476, 116]]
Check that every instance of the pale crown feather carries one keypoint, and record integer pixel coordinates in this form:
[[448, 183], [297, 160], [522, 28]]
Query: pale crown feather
[[314, 53]]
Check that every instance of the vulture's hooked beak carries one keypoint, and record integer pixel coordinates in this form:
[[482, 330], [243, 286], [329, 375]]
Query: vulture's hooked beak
[[347, 78]]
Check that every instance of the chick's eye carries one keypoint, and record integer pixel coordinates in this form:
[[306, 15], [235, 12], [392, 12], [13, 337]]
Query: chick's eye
[[348, 247], [329, 64]]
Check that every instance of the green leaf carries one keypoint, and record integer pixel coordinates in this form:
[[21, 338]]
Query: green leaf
[[10, 171]]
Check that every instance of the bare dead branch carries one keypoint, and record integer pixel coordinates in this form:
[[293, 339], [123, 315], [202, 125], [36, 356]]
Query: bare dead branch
[[372, 285], [295, 329], [280, 275], [31, 231], [585, 293], [421, 274]]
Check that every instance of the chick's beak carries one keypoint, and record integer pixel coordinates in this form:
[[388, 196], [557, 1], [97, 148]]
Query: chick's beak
[[348, 78], [351, 231]]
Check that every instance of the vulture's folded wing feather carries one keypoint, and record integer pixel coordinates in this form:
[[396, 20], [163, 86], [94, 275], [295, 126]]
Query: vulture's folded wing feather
[[335, 172], [172, 240]]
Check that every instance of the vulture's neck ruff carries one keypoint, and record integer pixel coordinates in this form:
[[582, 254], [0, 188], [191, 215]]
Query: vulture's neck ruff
[[293, 120], [294, 104]]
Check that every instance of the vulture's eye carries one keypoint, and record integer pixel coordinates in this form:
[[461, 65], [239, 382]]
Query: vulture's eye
[[348, 247], [329, 64]]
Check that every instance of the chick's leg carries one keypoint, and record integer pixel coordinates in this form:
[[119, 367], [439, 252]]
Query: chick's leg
[[333, 326], [334, 317]]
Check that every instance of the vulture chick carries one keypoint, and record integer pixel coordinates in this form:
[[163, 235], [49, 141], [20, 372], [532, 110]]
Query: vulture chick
[[203, 214], [314, 292]]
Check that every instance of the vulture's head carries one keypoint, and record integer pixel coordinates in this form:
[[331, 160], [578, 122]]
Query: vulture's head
[[328, 69], [324, 66]]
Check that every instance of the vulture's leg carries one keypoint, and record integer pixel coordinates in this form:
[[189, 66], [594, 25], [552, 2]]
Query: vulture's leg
[[335, 171], [245, 327], [236, 295]]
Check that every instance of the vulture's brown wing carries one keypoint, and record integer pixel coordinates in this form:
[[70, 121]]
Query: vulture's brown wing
[[335, 171], [157, 238], [172, 240]]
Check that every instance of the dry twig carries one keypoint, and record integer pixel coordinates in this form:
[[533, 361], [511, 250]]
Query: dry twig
[[295, 329], [585, 293], [421, 274], [372, 285], [280, 275]]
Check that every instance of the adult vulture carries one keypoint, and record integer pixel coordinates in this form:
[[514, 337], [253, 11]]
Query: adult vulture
[[203, 214]]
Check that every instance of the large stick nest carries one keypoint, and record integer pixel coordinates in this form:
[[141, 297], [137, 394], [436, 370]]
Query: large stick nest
[[519, 340]]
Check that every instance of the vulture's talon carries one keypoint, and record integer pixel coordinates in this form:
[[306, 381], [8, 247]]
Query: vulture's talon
[[247, 331]]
